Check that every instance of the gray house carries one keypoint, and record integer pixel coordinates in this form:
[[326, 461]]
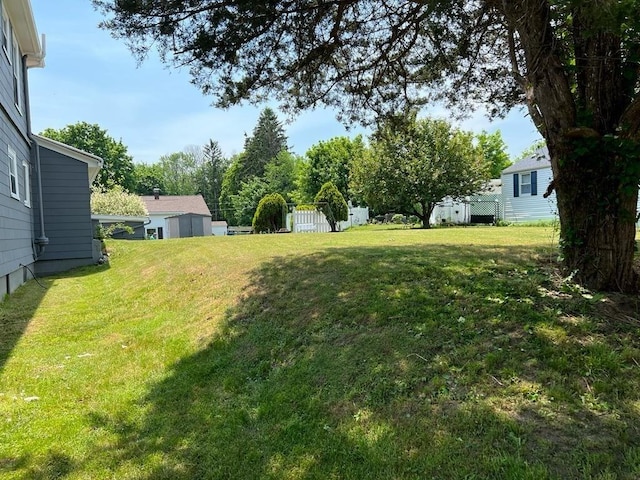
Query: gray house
[[45, 220]]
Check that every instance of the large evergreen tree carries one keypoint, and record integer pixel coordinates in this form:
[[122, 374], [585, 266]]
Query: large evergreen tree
[[575, 64], [267, 141], [209, 177]]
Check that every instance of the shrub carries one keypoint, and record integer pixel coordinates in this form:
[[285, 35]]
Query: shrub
[[305, 207], [397, 218], [330, 201], [270, 214]]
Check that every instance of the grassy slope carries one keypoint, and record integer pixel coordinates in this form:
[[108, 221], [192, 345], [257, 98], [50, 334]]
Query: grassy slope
[[368, 354]]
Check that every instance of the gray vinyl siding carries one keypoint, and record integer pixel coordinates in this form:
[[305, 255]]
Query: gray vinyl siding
[[15, 218], [529, 208], [67, 208]]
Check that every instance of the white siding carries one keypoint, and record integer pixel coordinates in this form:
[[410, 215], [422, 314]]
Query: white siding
[[529, 208]]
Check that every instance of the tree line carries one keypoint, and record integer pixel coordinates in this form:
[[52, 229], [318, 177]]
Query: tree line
[[406, 166]]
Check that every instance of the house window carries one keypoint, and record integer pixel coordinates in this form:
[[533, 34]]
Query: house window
[[27, 184], [6, 35], [13, 173], [18, 96], [525, 184]]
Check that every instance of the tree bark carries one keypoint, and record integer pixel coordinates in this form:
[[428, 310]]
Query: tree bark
[[596, 181], [597, 209]]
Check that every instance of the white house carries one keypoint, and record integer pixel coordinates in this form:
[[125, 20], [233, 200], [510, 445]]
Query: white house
[[175, 216], [523, 186]]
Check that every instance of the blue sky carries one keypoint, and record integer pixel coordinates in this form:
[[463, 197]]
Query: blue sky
[[154, 110]]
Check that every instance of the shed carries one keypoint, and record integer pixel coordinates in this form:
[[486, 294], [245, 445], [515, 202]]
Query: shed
[[163, 209], [219, 228], [188, 225]]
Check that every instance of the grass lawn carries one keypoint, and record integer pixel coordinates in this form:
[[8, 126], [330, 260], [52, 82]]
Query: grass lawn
[[453, 353]]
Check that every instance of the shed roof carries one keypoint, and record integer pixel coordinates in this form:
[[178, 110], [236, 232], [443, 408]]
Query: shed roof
[[539, 159], [175, 204]]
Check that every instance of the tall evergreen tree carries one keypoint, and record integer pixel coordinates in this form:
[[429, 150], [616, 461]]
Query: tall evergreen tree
[[209, 177], [267, 141]]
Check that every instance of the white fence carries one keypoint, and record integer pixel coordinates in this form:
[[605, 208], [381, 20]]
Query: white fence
[[305, 221]]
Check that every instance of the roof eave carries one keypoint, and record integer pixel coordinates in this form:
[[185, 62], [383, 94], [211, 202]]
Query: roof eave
[[24, 26], [94, 163]]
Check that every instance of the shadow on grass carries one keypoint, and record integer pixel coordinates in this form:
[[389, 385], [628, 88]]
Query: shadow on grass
[[17, 310], [434, 362]]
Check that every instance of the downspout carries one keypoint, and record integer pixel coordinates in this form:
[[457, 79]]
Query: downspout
[[42, 241]]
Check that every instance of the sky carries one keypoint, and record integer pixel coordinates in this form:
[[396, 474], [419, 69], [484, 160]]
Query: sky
[[155, 110]]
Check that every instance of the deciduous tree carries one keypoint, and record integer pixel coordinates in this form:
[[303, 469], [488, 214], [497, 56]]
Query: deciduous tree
[[574, 64], [146, 178], [417, 163], [116, 201], [494, 151], [330, 161]]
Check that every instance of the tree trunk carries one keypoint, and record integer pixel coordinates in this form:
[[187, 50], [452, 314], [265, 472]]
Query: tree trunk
[[426, 209], [591, 136], [597, 208]]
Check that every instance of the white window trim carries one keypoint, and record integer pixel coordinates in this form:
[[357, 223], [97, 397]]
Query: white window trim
[[27, 184], [522, 184], [18, 95], [13, 173], [6, 35]]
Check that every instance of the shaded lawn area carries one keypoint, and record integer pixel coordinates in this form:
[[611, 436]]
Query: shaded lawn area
[[385, 360]]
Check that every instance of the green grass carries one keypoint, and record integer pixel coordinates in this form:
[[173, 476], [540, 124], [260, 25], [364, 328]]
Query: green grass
[[376, 353]]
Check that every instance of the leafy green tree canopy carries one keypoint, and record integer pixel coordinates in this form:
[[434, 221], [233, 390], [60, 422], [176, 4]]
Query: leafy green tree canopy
[[494, 152], [330, 161], [417, 163], [330, 201], [271, 214], [118, 165], [147, 177]]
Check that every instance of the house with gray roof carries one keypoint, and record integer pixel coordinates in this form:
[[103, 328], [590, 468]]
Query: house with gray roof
[[177, 216]]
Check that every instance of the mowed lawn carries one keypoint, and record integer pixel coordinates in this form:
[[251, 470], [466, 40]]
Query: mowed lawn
[[454, 353]]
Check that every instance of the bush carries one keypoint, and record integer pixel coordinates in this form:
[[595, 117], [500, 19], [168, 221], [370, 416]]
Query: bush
[[270, 214], [305, 207], [398, 218], [331, 202]]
